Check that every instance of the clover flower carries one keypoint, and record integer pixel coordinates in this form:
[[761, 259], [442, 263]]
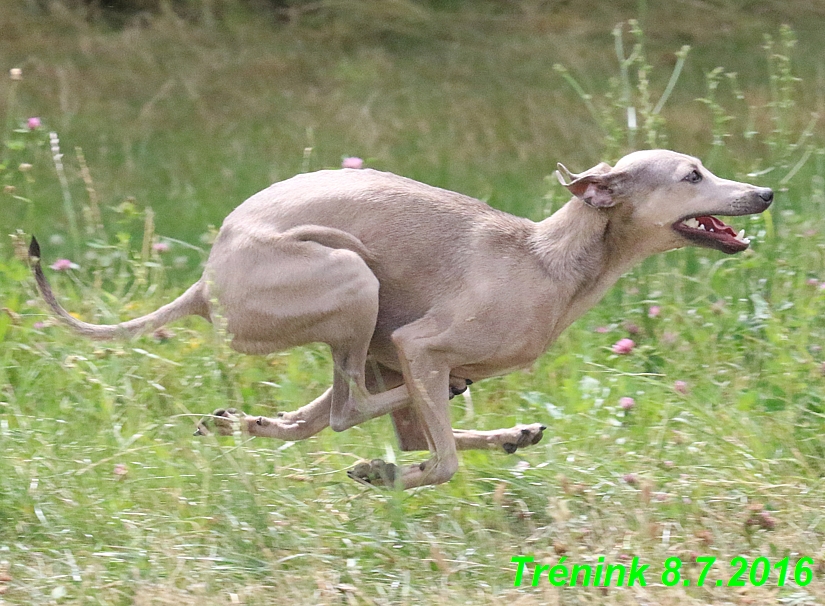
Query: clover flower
[[352, 162], [623, 346], [64, 265]]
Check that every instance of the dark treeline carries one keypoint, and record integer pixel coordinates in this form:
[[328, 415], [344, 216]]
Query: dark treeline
[[122, 13]]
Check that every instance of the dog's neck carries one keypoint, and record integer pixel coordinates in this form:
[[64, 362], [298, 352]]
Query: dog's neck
[[583, 253]]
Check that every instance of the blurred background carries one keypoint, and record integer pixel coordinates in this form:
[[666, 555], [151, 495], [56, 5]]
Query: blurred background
[[189, 106]]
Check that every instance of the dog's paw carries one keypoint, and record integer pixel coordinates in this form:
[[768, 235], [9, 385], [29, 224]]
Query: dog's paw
[[222, 421], [458, 386], [527, 436], [375, 473]]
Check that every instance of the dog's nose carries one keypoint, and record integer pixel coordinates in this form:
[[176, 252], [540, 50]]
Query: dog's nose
[[766, 193]]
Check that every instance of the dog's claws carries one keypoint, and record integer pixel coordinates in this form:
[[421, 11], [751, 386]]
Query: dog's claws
[[527, 436]]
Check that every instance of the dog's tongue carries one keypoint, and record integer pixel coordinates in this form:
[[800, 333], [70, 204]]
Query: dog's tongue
[[714, 224]]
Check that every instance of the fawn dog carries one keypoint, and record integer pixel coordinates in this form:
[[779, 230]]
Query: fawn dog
[[419, 291]]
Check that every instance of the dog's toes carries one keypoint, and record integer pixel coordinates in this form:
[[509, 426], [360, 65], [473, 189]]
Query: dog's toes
[[527, 436], [222, 420], [458, 386], [456, 391], [375, 473]]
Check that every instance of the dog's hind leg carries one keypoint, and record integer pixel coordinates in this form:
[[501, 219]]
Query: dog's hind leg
[[292, 426], [286, 290]]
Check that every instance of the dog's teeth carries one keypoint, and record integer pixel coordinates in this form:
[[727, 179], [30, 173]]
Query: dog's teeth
[[746, 240], [702, 227], [741, 235]]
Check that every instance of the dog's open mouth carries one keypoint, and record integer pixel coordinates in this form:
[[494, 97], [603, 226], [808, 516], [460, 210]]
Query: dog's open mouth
[[713, 233]]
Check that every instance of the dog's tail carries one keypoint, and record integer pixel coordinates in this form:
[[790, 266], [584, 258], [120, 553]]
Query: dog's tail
[[192, 302]]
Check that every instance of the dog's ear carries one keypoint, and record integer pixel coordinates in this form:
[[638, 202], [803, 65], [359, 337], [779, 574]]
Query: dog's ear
[[595, 187]]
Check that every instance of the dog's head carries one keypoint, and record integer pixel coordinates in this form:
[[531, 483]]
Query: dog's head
[[664, 200]]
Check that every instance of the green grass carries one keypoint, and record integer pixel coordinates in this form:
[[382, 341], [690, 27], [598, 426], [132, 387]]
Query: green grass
[[106, 497]]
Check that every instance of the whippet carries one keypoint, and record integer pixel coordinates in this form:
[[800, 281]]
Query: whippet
[[419, 291]]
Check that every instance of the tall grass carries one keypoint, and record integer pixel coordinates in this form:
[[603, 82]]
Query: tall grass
[[105, 497]]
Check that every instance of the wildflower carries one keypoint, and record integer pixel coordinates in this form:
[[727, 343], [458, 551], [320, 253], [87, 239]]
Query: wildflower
[[669, 338], [626, 403], [33, 123], [352, 162], [812, 282], [760, 518], [39, 325], [601, 329], [623, 346], [63, 265], [705, 536], [121, 470], [632, 328], [767, 521], [680, 387], [16, 73], [654, 311], [160, 247], [559, 548], [631, 478]]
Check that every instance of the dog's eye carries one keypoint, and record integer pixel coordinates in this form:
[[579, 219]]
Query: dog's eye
[[693, 177]]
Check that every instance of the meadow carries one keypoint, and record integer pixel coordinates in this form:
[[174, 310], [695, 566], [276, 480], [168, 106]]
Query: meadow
[[125, 143]]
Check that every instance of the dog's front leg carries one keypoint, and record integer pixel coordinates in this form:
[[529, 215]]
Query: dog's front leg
[[510, 439], [427, 379]]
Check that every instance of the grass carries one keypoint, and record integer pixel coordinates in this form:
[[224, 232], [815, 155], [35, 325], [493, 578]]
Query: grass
[[105, 497]]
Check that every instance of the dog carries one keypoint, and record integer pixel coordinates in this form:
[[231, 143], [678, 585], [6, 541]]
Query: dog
[[419, 291]]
